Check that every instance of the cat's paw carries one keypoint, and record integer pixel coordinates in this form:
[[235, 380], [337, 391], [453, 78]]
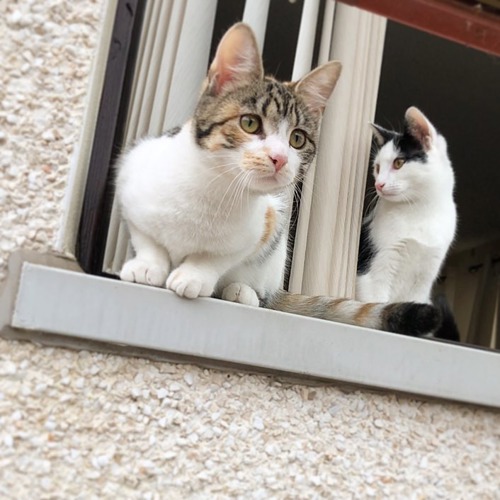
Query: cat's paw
[[188, 281], [147, 273], [241, 293]]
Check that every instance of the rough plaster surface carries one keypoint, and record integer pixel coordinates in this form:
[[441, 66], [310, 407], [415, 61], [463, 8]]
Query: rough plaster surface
[[87, 425]]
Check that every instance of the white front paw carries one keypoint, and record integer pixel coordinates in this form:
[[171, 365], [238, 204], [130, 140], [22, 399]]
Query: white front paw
[[241, 293], [188, 281], [147, 273]]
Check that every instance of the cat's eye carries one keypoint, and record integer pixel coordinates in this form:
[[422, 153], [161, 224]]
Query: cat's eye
[[251, 124], [398, 163], [297, 139], [377, 168]]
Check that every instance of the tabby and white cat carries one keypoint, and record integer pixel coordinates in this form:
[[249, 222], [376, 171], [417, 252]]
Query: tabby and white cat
[[406, 237], [208, 209]]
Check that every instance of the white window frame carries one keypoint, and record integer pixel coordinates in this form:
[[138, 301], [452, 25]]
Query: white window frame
[[46, 299]]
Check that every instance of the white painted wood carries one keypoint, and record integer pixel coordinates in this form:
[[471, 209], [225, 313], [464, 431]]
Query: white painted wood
[[255, 15], [166, 66], [305, 43], [304, 216], [191, 62], [77, 305], [326, 32]]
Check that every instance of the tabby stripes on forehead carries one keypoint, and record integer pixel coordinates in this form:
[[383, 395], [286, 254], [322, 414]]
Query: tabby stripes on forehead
[[202, 133], [283, 100]]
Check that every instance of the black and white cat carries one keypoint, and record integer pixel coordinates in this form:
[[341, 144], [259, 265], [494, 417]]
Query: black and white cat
[[406, 237]]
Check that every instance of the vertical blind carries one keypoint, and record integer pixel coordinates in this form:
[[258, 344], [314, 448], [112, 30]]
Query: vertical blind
[[325, 251]]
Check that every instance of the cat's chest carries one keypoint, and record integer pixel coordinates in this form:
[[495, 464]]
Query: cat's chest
[[196, 224], [393, 224], [187, 206]]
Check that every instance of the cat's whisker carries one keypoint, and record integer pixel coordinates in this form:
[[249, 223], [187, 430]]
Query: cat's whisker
[[302, 189], [238, 190], [246, 184], [245, 189], [226, 192], [237, 193], [216, 178], [304, 186], [233, 165], [248, 191], [372, 197]]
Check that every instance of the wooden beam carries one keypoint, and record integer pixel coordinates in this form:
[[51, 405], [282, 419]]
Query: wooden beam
[[454, 20]]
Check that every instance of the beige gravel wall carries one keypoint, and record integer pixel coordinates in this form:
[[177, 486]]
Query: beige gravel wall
[[87, 425]]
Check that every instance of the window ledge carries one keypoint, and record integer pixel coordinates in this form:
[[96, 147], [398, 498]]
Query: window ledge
[[45, 297]]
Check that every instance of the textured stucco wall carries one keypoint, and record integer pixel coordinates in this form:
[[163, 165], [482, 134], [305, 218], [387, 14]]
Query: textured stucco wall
[[87, 425]]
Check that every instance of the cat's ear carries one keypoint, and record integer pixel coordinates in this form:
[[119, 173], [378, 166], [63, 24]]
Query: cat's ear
[[419, 127], [316, 87], [381, 134], [237, 60]]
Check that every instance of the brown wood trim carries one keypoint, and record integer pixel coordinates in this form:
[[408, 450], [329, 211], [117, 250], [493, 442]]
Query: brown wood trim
[[109, 132], [459, 21]]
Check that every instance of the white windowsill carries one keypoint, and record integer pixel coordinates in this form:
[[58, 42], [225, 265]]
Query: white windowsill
[[42, 298]]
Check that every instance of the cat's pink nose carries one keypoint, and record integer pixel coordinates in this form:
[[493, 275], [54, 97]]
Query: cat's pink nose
[[279, 161], [379, 186]]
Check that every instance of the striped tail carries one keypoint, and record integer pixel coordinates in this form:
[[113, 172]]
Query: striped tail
[[407, 318]]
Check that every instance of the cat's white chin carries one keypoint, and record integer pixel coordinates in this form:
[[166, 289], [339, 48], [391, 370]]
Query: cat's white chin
[[392, 197], [269, 184]]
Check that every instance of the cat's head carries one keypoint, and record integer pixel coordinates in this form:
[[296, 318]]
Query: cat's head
[[262, 130], [407, 164]]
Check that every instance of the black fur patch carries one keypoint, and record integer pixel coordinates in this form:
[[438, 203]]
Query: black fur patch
[[265, 105], [366, 250], [383, 136], [410, 149], [409, 318], [201, 132], [279, 96], [172, 132], [448, 329]]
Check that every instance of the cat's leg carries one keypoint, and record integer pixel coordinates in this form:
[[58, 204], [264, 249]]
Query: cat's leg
[[240, 293], [386, 271], [198, 274], [255, 279], [375, 286], [151, 263], [421, 270]]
